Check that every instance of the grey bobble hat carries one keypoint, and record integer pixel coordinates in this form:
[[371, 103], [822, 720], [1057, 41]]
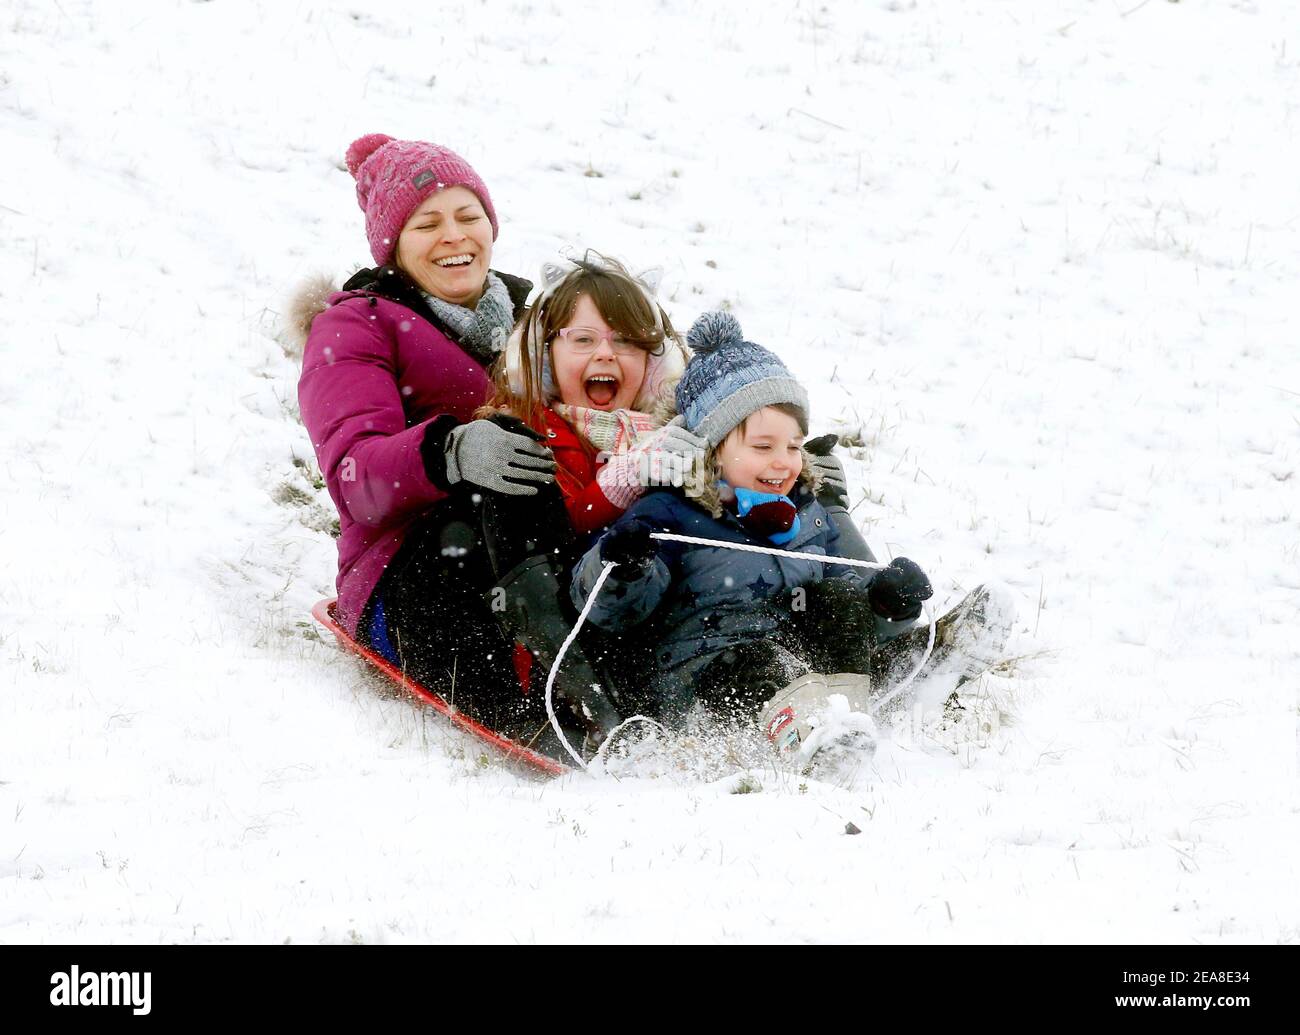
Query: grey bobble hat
[[729, 378]]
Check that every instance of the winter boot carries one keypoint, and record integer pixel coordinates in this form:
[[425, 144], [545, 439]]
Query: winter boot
[[968, 641], [785, 718], [820, 721]]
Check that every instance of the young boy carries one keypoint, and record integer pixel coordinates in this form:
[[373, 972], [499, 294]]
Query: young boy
[[719, 620]]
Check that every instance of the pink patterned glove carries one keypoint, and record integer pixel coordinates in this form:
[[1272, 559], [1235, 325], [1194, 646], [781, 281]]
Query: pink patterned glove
[[659, 459]]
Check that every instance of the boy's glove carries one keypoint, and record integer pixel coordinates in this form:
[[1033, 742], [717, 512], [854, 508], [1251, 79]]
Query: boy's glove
[[629, 546], [897, 591], [502, 454], [825, 463]]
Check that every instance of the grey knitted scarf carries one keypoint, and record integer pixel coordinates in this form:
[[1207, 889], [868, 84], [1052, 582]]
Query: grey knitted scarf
[[483, 330]]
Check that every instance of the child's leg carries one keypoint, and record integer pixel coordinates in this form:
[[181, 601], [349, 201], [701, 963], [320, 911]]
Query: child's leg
[[515, 528], [833, 626], [740, 680], [444, 634], [528, 544], [968, 640]]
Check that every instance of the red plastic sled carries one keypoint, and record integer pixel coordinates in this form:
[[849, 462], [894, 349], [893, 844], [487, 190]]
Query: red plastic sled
[[323, 612]]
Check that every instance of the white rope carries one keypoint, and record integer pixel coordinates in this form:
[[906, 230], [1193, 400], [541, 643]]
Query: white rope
[[603, 751], [851, 561], [555, 666], [673, 536]]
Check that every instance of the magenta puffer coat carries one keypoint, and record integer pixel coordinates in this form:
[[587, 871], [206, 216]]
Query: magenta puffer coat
[[375, 374]]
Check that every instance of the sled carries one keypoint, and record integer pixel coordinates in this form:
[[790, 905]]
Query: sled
[[513, 751]]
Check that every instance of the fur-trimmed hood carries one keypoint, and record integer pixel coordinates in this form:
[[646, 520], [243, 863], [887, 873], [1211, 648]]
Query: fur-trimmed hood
[[308, 301]]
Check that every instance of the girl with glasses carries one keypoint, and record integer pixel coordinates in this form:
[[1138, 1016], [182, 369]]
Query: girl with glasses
[[587, 368]]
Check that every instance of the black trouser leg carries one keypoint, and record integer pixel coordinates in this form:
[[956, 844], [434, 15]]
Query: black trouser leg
[[477, 577], [835, 629], [514, 528], [530, 547], [739, 681], [446, 635]]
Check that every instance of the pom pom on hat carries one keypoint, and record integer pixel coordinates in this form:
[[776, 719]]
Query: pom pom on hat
[[713, 330], [729, 378], [394, 177], [362, 148]]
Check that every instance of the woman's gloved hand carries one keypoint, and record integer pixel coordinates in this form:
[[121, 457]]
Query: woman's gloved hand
[[500, 454], [897, 591]]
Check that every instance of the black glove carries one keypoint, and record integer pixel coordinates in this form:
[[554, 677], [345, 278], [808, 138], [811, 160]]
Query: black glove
[[629, 546], [514, 424], [822, 444], [897, 591]]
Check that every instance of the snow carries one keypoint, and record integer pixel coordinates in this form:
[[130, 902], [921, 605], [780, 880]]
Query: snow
[[1038, 258]]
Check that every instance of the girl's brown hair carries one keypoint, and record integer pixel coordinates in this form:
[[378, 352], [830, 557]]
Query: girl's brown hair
[[623, 303]]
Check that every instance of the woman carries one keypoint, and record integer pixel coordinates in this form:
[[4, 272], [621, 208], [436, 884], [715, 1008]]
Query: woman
[[440, 569]]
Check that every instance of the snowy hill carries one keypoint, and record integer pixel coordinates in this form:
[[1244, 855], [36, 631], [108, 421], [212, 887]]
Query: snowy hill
[[1038, 259]]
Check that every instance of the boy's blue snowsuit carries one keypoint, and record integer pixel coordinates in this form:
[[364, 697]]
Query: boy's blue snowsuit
[[694, 602]]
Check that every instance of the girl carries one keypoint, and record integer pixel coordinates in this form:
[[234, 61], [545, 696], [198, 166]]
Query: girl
[[593, 355], [587, 365], [720, 620]]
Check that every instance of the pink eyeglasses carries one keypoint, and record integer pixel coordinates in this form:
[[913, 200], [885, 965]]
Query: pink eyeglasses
[[584, 340]]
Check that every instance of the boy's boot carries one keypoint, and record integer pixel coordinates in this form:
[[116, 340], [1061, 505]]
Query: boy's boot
[[793, 705], [968, 640], [824, 735]]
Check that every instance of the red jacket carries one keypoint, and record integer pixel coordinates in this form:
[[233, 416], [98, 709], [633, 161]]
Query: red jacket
[[589, 510]]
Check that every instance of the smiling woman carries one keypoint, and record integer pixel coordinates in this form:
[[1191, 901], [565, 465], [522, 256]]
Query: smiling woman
[[446, 245], [447, 529]]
